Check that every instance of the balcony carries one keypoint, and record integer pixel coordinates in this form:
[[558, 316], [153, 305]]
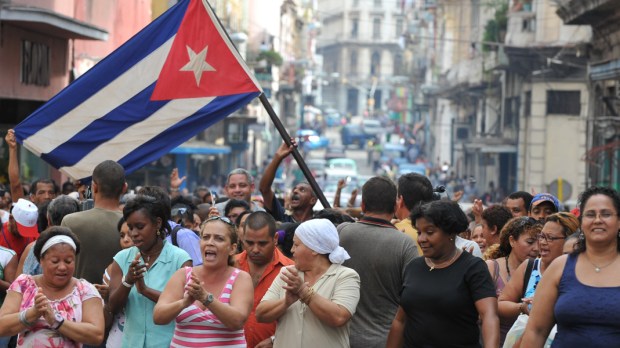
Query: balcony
[[471, 72], [521, 29], [586, 11]]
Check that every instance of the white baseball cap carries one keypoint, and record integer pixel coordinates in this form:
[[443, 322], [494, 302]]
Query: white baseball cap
[[26, 215]]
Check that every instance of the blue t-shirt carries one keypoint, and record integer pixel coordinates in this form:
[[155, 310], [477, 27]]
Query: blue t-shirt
[[140, 330], [189, 241]]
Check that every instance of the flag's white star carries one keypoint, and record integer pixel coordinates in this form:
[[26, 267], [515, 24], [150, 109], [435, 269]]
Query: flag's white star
[[197, 63]]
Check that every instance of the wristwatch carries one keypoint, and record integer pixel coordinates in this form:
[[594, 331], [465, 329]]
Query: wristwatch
[[58, 321], [208, 300]]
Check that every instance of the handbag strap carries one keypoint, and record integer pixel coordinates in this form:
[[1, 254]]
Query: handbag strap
[[527, 275]]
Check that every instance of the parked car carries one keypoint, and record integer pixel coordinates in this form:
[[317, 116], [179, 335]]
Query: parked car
[[372, 127], [335, 151], [394, 153], [329, 190], [332, 118], [310, 139], [317, 166], [342, 163], [341, 168], [353, 134], [405, 168]]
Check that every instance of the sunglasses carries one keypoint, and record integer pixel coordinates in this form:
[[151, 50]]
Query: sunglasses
[[224, 219], [527, 220]]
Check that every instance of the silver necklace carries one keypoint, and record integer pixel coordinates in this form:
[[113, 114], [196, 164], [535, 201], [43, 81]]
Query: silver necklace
[[598, 269]]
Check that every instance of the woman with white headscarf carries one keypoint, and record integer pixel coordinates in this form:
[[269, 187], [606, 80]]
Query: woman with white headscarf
[[314, 300]]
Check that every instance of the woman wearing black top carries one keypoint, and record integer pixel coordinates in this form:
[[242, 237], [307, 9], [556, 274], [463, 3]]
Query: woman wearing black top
[[446, 291]]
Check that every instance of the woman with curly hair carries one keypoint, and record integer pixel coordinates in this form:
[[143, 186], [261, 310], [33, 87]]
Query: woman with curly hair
[[518, 242], [517, 297]]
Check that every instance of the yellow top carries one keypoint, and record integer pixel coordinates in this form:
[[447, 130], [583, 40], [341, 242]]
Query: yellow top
[[407, 227]]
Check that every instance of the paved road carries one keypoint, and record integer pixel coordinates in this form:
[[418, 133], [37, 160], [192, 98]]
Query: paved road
[[360, 156]]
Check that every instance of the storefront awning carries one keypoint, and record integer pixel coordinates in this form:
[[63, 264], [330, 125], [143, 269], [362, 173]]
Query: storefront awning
[[200, 147], [499, 149], [605, 71], [51, 23]]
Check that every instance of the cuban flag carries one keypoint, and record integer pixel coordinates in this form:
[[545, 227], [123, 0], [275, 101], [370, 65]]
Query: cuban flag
[[173, 79]]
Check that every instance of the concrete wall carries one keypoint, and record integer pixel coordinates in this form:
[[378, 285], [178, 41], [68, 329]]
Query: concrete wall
[[10, 65], [553, 145], [121, 19]]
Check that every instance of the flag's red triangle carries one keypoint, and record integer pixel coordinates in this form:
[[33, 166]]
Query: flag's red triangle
[[197, 33]]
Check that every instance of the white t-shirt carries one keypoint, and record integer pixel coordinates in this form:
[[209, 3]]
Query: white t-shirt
[[6, 255], [462, 242], [4, 216]]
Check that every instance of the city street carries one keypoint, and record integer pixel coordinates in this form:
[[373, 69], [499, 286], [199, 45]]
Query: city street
[[359, 156]]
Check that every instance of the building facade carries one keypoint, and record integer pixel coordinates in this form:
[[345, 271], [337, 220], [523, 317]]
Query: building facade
[[45, 46], [603, 59], [361, 45]]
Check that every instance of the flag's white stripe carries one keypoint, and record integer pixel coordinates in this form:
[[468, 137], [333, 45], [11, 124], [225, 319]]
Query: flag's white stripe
[[127, 85], [132, 137], [231, 47]]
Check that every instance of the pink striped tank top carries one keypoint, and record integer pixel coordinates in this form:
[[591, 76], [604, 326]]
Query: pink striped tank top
[[198, 328]]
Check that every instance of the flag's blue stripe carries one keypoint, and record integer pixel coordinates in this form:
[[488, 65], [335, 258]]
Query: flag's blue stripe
[[133, 111], [106, 71], [178, 133]]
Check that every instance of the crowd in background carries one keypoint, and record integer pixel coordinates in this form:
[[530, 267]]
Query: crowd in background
[[94, 265]]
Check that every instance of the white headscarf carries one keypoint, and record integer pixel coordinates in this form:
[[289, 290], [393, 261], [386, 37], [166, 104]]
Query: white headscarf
[[321, 236]]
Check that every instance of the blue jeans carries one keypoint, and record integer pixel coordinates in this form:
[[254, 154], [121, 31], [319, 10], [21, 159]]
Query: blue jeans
[[4, 341]]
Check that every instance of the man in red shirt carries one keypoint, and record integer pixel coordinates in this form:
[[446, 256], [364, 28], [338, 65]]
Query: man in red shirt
[[262, 259], [21, 229]]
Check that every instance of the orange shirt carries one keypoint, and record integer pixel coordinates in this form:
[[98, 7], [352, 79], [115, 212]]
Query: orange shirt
[[256, 332]]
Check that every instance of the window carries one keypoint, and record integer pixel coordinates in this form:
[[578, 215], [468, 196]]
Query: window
[[563, 102], [35, 69], [376, 28], [353, 63], [354, 27], [375, 64], [398, 64], [527, 105], [399, 27], [511, 111]]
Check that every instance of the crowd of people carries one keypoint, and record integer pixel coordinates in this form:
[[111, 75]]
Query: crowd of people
[[407, 269]]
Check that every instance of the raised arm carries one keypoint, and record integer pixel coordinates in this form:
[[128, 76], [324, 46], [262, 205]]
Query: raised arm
[[17, 191], [175, 183], [270, 173], [341, 184]]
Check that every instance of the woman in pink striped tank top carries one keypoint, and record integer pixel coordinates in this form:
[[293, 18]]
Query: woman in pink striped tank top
[[211, 302]]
